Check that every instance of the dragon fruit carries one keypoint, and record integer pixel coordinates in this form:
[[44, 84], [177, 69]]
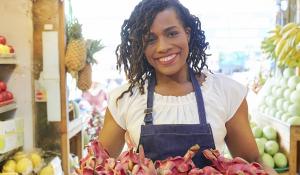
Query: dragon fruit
[[233, 166], [130, 162]]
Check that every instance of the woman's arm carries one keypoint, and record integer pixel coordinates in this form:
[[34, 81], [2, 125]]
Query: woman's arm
[[240, 140], [112, 135]]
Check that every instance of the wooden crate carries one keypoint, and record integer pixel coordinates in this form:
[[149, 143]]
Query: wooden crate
[[289, 139]]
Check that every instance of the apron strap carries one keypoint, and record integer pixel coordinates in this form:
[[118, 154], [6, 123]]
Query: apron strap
[[199, 98], [150, 97], [148, 111]]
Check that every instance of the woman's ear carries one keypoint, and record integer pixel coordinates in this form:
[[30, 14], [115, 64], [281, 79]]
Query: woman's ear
[[188, 32]]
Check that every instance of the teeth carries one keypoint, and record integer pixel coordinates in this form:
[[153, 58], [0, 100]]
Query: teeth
[[167, 58]]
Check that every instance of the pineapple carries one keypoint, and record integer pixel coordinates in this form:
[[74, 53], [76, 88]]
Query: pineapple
[[85, 75], [76, 49]]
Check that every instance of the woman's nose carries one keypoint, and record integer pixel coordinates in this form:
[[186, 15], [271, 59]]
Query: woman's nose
[[163, 45]]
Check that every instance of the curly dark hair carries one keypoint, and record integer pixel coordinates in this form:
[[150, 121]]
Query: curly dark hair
[[130, 53]]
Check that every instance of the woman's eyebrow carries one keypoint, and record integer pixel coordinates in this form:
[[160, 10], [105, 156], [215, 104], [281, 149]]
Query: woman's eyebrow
[[169, 28]]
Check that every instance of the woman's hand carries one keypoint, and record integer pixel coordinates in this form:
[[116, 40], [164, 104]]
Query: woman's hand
[[112, 135]]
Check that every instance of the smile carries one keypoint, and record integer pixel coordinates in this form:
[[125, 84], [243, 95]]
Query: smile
[[167, 58]]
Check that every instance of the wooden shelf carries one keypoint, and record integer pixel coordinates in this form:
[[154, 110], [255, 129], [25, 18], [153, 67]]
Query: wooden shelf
[[8, 60], [8, 107], [75, 126], [289, 139]]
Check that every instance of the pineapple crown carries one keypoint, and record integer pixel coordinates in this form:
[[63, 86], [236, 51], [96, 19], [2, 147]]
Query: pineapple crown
[[74, 30], [92, 46]]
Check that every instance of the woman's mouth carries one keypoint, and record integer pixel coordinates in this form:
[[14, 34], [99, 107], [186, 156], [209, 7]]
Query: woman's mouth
[[167, 60]]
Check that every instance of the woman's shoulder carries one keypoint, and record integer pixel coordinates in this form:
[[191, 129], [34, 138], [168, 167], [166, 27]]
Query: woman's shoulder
[[118, 91], [219, 81]]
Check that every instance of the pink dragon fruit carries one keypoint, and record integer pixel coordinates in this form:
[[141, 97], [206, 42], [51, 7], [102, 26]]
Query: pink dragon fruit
[[177, 165], [234, 166], [208, 170]]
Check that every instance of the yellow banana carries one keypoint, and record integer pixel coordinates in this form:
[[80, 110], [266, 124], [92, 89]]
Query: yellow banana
[[292, 32], [277, 30], [279, 46], [297, 47], [294, 61], [297, 40], [283, 54], [287, 27]]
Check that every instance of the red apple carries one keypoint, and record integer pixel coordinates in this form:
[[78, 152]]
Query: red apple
[[1, 98], [9, 95], [2, 40], [4, 95], [11, 49], [2, 86]]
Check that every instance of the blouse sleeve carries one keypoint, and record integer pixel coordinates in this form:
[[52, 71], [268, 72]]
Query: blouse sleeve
[[118, 109], [235, 93]]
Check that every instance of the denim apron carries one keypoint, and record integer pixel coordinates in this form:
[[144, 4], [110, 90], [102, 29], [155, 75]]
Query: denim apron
[[162, 141]]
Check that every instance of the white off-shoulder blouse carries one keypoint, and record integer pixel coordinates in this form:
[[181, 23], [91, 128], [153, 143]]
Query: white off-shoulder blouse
[[222, 97]]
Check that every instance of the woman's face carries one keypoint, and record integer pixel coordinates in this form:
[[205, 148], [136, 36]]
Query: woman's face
[[167, 43]]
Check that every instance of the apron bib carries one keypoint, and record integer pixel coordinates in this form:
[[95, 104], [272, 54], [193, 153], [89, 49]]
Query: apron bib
[[162, 141]]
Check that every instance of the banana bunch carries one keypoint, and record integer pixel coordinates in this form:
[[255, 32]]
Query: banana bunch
[[269, 43], [285, 46]]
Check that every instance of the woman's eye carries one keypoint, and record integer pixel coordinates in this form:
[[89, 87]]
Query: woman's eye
[[172, 34], [150, 40]]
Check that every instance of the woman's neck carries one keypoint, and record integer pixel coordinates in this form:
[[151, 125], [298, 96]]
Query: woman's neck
[[180, 77], [178, 84]]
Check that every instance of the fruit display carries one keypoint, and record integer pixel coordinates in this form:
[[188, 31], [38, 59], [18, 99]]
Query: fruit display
[[24, 163], [130, 162], [5, 50], [283, 45], [268, 146], [280, 97], [6, 96]]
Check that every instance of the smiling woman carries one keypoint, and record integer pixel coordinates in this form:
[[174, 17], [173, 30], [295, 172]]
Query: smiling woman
[[171, 100]]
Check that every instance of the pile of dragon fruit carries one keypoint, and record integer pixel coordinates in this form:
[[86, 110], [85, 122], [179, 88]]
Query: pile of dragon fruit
[[98, 162]]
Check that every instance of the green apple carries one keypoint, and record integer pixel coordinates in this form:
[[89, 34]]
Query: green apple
[[295, 96], [268, 160], [279, 103], [293, 81], [288, 72], [280, 160], [294, 109], [287, 92], [257, 132], [269, 133], [271, 147], [294, 120], [283, 83], [263, 140], [286, 105], [274, 89], [260, 146], [285, 116], [279, 114], [279, 92]]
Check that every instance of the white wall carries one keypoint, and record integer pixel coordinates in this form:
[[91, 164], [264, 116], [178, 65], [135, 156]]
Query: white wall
[[17, 26]]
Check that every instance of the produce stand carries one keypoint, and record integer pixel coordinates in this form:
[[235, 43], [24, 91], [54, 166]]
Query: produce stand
[[289, 139]]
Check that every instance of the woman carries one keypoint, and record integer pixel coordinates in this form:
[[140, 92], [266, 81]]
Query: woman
[[172, 101]]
